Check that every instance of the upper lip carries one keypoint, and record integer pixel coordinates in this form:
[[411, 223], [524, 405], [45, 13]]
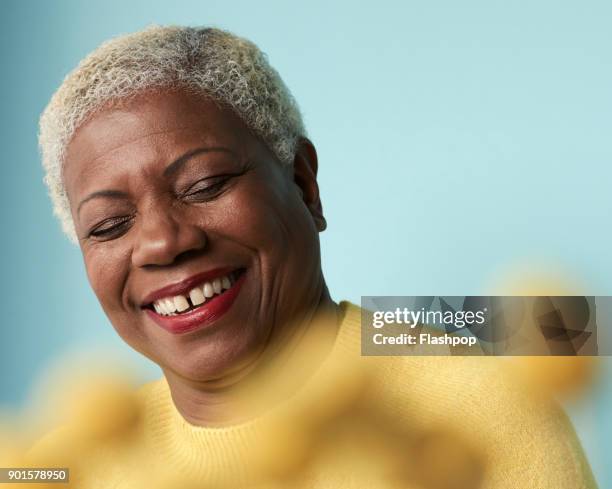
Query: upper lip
[[184, 286]]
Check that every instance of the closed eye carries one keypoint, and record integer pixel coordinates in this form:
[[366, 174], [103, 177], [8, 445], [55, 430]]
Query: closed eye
[[209, 188], [111, 228], [206, 188]]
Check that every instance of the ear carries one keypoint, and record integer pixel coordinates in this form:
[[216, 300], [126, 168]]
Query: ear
[[305, 165]]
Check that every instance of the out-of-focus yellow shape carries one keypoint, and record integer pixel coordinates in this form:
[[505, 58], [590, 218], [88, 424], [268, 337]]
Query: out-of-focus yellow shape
[[96, 416], [441, 459], [285, 449], [565, 376], [535, 280], [327, 429], [103, 409]]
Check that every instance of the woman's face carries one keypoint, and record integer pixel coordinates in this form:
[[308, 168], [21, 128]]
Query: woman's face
[[198, 243]]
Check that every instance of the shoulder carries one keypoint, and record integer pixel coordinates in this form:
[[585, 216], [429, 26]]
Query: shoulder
[[529, 441]]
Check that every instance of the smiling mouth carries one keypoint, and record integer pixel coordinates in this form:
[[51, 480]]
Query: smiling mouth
[[198, 296]]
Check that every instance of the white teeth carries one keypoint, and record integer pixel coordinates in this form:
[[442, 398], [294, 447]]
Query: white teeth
[[170, 306], [181, 303], [197, 296], [208, 290]]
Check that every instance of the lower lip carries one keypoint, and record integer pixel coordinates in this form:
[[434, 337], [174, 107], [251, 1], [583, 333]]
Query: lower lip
[[202, 316]]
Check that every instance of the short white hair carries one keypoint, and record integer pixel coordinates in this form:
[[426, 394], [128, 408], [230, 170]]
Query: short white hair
[[210, 61]]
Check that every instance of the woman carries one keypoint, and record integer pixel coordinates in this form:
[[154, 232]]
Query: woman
[[178, 161]]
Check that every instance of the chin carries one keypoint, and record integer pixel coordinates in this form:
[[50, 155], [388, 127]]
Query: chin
[[213, 359]]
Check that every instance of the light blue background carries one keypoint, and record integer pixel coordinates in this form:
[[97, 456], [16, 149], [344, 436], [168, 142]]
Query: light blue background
[[458, 141]]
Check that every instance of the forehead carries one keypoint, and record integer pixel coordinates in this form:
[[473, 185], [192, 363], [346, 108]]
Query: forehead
[[152, 126]]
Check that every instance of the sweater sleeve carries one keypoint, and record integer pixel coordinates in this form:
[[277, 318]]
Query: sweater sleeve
[[528, 442]]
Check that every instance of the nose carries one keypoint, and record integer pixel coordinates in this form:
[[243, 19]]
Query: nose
[[162, 238]]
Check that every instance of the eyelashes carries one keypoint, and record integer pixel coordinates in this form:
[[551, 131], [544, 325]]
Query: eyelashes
[[110, 228], [211, 187], [207, 188]]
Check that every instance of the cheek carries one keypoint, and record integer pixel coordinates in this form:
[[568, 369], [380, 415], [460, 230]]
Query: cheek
[[276, 227], [107, 270], [268, 220]]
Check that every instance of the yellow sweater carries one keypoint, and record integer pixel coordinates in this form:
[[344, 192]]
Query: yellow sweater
[[528, 444]]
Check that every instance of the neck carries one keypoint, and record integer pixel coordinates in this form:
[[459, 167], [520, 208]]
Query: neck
[[289, 359]]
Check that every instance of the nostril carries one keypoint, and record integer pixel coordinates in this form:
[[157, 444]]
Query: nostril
[[187, 255]]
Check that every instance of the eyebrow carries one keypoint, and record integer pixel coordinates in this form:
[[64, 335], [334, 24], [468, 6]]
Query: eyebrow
[[171, 169], [113, 194]]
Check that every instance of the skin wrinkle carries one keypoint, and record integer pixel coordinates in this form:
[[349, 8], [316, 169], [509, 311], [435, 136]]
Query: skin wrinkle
[[266, 219], [127, 143], [318, 293]]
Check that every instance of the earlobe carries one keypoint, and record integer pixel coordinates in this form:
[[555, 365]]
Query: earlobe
[[321, 223]]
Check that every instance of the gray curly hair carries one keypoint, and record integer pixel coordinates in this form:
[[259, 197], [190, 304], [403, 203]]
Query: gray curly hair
[[228, 68]]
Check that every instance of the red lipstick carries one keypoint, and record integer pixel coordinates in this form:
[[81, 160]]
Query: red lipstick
[[202, 315]]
